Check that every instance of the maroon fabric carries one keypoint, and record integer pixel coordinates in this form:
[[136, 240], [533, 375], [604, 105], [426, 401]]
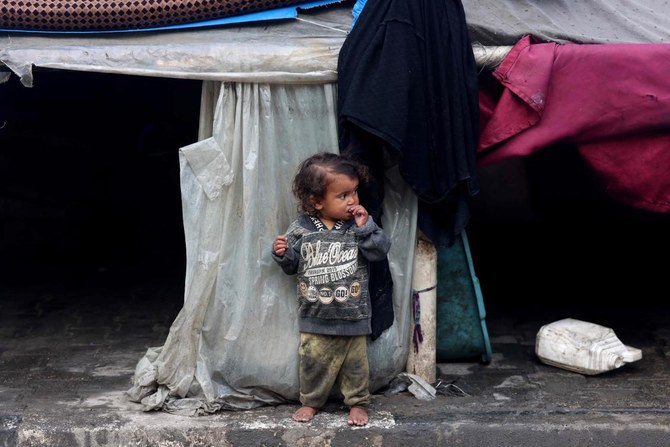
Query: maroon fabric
[[612, 101]]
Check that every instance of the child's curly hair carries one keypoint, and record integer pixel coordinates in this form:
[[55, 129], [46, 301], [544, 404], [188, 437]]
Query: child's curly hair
[[311, 181]]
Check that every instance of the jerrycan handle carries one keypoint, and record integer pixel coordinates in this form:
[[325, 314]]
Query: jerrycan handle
[[631, 354]]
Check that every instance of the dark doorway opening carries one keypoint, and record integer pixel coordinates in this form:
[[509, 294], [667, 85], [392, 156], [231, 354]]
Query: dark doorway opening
[[548, 243], [89, 177]]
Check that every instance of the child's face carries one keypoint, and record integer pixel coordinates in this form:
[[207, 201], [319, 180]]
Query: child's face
[[341, 195]]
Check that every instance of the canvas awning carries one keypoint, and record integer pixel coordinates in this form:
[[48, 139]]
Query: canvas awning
[[504, 22], [305, 50], [287, 51]]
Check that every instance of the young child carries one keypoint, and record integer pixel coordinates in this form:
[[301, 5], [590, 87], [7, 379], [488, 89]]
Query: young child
[[329, 247]]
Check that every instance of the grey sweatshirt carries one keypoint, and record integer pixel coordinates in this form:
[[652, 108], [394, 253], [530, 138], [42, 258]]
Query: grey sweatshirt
[[332, 273]]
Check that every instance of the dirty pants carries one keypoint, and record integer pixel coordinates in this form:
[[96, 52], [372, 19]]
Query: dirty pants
[[329, 359]]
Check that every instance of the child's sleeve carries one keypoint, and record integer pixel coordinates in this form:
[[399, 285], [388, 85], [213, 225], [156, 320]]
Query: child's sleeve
[[373, 243], [289, 262]]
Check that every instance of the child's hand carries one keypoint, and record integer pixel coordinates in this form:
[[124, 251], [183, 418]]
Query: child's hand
[[360, 214], [280, 245]]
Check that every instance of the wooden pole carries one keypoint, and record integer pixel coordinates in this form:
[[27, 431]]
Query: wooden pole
[[422, 353]]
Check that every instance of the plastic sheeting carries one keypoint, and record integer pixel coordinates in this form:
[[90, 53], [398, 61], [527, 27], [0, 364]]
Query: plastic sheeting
[[306, 50], [234, 345], [504, 22], [296, 51]]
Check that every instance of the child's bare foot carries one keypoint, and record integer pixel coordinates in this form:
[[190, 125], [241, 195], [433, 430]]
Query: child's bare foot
[[358, 416], [304, 414]]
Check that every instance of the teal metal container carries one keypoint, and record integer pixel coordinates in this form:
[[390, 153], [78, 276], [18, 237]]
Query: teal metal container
[[461, 318]]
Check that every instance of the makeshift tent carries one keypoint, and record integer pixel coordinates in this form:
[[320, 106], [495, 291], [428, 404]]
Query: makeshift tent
[[270, 73], [234, 344], [268, 101], [574, 129], [287, 52]]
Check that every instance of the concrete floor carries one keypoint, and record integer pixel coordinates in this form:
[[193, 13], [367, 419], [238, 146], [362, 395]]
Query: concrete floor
[[68, 351]]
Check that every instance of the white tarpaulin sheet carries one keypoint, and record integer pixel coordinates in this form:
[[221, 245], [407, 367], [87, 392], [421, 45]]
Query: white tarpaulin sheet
[[306, 50], [234, 345], [504, 22], [294, 51]]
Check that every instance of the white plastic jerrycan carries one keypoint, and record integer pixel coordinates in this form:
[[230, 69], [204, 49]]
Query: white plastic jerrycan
[[582, 347]]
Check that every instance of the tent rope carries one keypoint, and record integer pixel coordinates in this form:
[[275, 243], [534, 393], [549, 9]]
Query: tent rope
[[322, 25], [417, 337]]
